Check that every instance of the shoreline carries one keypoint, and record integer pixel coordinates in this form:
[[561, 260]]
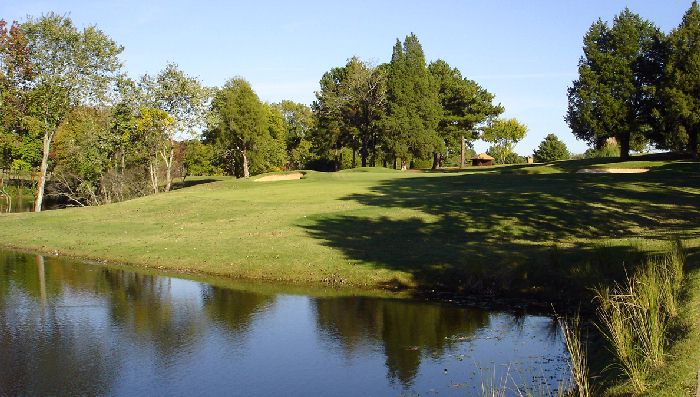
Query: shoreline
[[481, 301]]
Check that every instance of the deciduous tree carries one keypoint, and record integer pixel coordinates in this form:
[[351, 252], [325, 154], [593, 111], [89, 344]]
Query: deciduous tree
[[70, 68], [503, 134], [242, 120]]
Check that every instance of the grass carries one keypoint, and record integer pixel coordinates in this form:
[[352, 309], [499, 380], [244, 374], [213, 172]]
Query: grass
[[485, 231]]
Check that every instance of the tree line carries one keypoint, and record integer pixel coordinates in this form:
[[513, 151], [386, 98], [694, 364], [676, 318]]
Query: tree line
[[70, 114], [94, 135], [638, 85]]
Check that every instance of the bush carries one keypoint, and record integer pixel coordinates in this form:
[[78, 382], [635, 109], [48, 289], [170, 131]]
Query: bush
[[551, 149]]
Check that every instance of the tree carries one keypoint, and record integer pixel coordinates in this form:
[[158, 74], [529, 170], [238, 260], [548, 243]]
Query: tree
[[183, 98], [616, 92], [331, 134], [84, 153], [299, 125], [269, 152], [242, 120], [551, 149], [364, 107], [465, 106], [413, 105], [154, 128], [503, 134], [69, 68], [15, 73], [348, 108], [681, 92]]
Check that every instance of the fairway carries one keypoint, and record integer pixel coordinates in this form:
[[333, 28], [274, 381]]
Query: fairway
[[486, 230]]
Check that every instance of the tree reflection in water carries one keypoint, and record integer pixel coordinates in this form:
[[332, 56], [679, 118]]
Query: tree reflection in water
[[70, 328], [407, 331]]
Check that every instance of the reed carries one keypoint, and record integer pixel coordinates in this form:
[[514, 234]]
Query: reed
[[571, 330], [635, 316]]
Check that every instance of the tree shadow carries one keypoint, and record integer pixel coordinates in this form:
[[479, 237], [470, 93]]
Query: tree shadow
[[546, 235], [192, 182]]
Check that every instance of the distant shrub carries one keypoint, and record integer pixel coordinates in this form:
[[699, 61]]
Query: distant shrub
[[551, 149]]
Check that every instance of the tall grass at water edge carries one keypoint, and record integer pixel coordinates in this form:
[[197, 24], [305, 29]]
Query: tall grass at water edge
[[635, 316]]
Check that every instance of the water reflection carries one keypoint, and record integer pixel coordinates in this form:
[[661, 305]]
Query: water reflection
[[70, 328], [405, 331]]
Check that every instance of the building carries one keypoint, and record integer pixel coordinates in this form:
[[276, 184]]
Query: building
[[482, 159]]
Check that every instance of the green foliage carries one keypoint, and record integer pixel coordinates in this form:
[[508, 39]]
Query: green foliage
[[348, 108], [465, 105], [551, 149], [299, 126], [608, 150], [504, 134], [682, 84], [619, 63], [200, 159], [69, 68], [242, 123], [413, 105], [181, 96]]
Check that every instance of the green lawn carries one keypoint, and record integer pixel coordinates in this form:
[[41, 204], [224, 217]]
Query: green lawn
[[483, 230]]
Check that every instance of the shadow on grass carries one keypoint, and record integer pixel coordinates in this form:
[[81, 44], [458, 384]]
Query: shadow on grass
[[551, 236], [192, 182]]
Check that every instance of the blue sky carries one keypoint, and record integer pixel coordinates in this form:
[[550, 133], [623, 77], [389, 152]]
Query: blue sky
[[525, 52]]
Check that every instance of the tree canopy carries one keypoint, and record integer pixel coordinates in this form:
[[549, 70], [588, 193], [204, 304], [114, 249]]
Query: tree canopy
[[616, 92]]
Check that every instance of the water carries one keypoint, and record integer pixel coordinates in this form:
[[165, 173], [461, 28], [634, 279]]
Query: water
[[70, 328]]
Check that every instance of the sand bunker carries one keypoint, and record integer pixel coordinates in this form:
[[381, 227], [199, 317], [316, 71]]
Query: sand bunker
[[612, 170], [280, 177]]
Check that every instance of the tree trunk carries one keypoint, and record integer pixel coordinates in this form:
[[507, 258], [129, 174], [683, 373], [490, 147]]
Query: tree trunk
[[403, 165], [41, 184], [246, 171], [461, 156], [436, 161], [354, 154], [363, 156], [693, 143], [153, 170], [168, 167], [394, 162], [625, 145]]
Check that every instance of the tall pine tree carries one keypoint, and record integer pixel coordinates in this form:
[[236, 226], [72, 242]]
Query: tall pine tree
[[413, 106], [465, 106]]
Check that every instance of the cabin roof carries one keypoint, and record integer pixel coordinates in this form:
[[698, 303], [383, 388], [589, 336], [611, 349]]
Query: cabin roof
[[483, 156]]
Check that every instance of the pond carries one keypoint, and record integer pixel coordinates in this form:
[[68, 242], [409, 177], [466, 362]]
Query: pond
[[73, 328], [19, 203]]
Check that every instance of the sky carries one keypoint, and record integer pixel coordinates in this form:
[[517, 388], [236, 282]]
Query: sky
[[524, 52]]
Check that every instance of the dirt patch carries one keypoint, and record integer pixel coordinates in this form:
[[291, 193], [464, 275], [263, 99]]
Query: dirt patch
[[612, 170], [280, 177]]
